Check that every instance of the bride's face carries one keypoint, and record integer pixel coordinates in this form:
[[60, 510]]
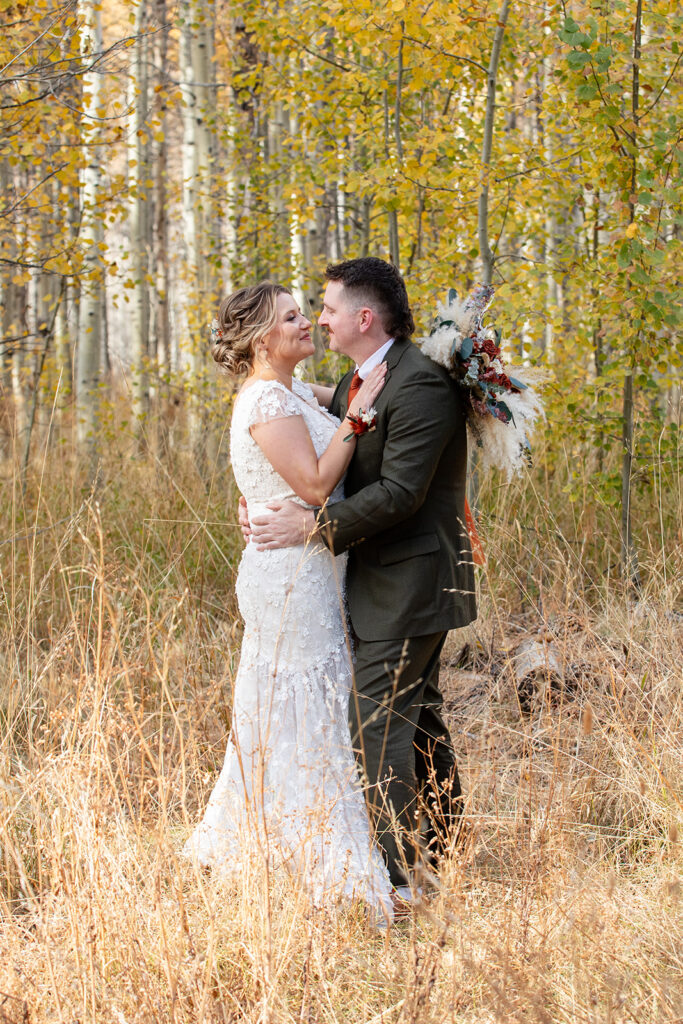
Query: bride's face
[[290, 340]]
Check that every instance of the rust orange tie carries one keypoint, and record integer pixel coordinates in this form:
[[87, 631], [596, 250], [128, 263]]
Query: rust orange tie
[[356, 382]]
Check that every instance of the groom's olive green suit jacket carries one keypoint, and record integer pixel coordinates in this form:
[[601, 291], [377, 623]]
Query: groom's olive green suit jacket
[[403, 519]]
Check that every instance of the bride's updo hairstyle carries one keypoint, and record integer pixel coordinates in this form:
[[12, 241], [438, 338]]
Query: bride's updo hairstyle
[[244, 318]]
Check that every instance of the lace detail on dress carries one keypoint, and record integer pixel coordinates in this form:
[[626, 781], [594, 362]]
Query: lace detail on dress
[[273, 401], [305, 391], [289, 784]]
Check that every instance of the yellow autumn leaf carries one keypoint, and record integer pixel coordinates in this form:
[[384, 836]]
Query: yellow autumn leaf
[[632, 230]]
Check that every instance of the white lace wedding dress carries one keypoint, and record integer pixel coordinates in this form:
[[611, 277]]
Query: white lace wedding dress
[[289, 785]]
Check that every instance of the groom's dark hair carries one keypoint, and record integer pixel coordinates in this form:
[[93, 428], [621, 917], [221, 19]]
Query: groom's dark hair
[[376, 283]]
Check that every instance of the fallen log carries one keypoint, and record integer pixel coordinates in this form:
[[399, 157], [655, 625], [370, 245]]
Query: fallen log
[[537, 669]]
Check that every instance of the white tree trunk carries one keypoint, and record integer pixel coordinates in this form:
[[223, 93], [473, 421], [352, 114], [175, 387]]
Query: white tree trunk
[[231, 192], [339, 241], [138, 177], [191, 217], [18, 375], [278, 123], [88, 367], [200, 206], [551, 218], [12, 346], [62, 347], [297, 248], [160, 328], [203, 53], [297, 240]]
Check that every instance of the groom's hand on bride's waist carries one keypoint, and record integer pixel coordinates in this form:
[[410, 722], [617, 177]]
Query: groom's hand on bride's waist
[[284, 526], [243, 519]]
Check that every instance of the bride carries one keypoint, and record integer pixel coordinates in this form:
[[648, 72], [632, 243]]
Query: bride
[[289, 785]]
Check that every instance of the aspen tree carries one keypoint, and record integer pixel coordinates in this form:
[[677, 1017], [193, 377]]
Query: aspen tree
[[66, 199], [190, 216], [14, 300], [92, 297], [7, 290], [160, 328], [297, 226], [200, 218], [139, 213]]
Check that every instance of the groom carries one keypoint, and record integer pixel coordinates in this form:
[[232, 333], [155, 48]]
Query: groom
[[409, 576]]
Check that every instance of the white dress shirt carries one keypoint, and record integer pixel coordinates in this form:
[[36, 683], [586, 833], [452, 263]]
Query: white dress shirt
[[374, 360]]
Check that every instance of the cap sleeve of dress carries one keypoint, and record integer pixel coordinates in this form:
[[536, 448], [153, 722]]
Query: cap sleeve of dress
[[304, 391], [272, 401]]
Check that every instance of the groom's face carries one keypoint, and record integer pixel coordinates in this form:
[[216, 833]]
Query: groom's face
[[341, 319]]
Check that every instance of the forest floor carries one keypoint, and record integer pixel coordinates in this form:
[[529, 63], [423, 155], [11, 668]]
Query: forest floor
[[564, 904], [119, 652]]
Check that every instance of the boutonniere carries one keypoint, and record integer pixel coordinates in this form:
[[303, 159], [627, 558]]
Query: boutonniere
[[364, 423]]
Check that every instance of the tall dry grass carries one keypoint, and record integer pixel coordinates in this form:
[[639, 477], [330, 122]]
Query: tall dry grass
[[118, 648]]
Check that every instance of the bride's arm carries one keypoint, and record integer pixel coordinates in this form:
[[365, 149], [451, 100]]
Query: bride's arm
[[323, 394], [287, 445]]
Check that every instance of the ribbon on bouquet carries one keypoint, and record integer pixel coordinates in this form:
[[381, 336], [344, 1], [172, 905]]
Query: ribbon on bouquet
[[478, 556]]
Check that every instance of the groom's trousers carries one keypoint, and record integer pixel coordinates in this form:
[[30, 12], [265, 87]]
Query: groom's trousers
[[403, 748]]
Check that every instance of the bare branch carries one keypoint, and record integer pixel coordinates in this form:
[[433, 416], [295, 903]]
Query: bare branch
[[445, 53], [663, 89]]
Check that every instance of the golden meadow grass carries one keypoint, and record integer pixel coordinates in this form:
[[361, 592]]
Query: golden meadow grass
[[118, 648]]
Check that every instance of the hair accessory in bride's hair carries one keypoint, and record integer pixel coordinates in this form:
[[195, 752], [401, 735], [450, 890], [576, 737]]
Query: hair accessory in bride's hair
[[501, 409], [216, 332], [363, 423]]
